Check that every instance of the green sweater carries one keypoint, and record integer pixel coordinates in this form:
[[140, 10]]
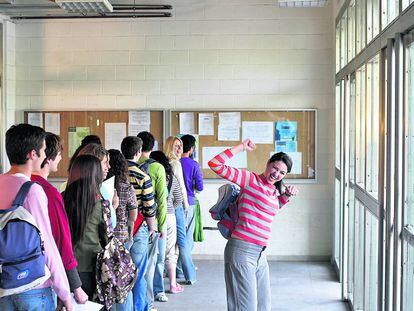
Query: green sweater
[[158, 178], [94, 240]]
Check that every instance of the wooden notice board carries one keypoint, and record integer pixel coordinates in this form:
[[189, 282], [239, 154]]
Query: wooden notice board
[[95, 121], [305, 121]]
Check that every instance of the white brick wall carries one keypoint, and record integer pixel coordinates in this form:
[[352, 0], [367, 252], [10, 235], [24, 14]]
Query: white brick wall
[[211, 54]]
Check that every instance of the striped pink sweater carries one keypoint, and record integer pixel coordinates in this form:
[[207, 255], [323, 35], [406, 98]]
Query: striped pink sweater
[[257, 203]]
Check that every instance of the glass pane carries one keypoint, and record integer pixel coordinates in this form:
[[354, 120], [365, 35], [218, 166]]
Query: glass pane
[[338, 221], [338, 96], [371, 262], [372, 126], [369, 25], [360, 127], [351, 244], [389, 11], [409, 215], [408, 279], [351, 30], [359, 257], [360, 25], [344, 40], [352, 132], [338, 47], [406, 3], [408, 257], [375, 18]]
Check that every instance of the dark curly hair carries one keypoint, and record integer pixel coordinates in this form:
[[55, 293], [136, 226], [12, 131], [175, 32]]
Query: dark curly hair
[[119, 167]]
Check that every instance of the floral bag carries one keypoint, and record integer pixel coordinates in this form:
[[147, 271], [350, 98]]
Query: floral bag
[[115, 271]]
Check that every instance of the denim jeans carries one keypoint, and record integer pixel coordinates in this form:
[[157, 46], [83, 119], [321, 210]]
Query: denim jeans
[[190, 224], [149, 274], [139, 254], [159, 266], [31, 300], [184, 249]]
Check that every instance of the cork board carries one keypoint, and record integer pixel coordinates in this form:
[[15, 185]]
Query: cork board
[[96, 120], [256, 160]]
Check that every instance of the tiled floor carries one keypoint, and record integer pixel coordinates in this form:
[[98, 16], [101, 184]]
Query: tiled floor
[[295, 286]]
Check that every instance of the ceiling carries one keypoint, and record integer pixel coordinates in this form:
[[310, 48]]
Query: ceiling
[[48, 9]]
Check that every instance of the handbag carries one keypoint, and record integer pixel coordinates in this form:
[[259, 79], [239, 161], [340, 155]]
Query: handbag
[[115, 271], [198, 235]]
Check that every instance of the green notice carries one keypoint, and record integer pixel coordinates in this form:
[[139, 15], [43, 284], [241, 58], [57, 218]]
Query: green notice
[[75, 136]]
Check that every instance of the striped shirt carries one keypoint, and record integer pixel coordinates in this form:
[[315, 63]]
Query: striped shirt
[[257, 203], [142, 185], [175, 197]]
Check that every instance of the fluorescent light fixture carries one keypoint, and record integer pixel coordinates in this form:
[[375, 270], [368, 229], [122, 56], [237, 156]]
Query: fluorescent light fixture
[[85, 6], [302, 4]]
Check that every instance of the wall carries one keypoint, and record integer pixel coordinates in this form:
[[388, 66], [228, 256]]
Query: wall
[[211, 54]]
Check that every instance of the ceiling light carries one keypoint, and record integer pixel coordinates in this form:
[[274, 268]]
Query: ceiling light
[[302, 4], [85, 6]]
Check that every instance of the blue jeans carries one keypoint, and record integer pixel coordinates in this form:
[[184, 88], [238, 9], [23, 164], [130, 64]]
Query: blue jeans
[[31, 300], [128, 303], [149, 274], [185, 251], [139, 254], [159, 267], [190, 223]]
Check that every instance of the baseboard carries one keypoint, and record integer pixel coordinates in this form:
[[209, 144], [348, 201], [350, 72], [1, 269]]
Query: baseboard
[[324, 258]]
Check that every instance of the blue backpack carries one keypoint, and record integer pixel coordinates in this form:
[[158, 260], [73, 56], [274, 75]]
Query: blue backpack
[[22, 262], [225, 210]]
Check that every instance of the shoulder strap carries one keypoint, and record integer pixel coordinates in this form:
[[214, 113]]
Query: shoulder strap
[[21, 195]]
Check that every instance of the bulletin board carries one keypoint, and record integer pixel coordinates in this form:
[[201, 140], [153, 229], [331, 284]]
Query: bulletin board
[[304, 156], [95, 121]]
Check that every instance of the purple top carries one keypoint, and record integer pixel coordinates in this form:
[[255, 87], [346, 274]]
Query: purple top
[[193, 178]]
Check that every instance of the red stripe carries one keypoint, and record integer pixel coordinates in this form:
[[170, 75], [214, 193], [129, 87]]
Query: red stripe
[[252, 231], [258, 206], [248, 239], [259, 198], [257, 215], [255, 223]]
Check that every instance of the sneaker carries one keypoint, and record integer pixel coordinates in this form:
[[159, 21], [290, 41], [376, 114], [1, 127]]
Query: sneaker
[[161, 297], [176, 289]]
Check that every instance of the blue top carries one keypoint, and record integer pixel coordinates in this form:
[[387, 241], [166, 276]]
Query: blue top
[[193, 179]]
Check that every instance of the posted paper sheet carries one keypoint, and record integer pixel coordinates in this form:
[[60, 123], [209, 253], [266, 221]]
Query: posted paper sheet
[[205, 124], [114, 134], [258, 132], [229, 126], [187, 123], [238, 161], [138, 121], [52, 123], [35, 118]]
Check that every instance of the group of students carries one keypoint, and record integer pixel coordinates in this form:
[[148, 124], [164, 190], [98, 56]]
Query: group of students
[[151, 213]]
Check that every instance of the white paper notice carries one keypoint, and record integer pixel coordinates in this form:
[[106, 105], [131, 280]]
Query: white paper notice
[[138, 121], [230, 119], [88, 306], [258, 132], [187, 123], [238, 161], [52, 123], [205, 124], [35, 118], [108, 189], [114, 134], [228, 133], [296, 161], [229, 126]]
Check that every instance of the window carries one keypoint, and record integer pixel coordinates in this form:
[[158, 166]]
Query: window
[[389, 12], [351, 30], [338, 47], [344, 40], [361, 25], [338, 95], [371, 262], [360, 127]]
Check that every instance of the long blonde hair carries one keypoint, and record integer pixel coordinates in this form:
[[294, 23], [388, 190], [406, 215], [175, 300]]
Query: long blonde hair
[[169, 147]]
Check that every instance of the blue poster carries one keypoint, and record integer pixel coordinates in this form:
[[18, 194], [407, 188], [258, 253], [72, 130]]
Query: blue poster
[[286, 138]]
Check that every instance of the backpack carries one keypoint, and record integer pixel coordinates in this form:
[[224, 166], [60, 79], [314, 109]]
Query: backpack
[[225, 210], [115, 271], [144, 166], [22, 260]]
